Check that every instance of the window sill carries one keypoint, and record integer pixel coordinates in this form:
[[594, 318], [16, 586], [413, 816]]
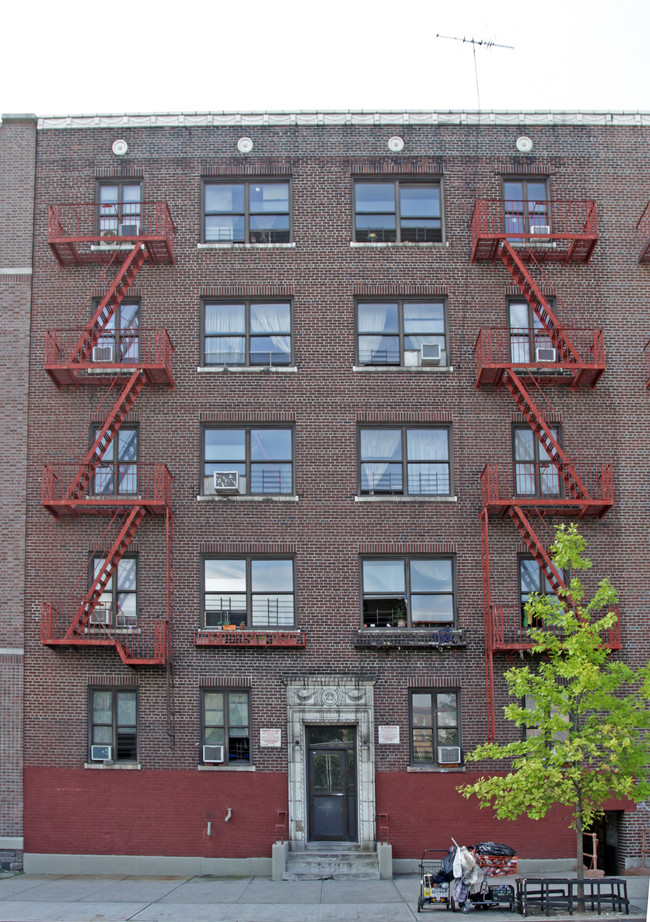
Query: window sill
[[407, 243], [428, 498], [245, 498], [418, 369], [225, 768], [230, 245], [273, 369], [422, 769], [109, 766]]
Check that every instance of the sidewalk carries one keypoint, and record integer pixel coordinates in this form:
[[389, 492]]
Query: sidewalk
[[57, 898]]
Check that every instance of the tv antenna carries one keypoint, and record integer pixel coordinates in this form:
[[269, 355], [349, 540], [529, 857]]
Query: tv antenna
[[474, 42]]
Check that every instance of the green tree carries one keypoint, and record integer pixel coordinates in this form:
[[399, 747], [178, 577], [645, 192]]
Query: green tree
[[585, 739]]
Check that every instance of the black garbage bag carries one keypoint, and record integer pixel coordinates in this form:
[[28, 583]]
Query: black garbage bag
[[494, 848]]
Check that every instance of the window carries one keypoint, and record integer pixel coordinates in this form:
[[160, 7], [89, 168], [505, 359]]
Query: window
[[529, 339], [418, 590], [118, 603], [535, 472], [526, 206], [120, 340], [397, 212], [435, 727], [393, 332], [225, 721], [246, 212], [532, 579], [261, 458], [257, 592], [246, 333], [117, 472], [405, 461], [119, 208], [114, 722]]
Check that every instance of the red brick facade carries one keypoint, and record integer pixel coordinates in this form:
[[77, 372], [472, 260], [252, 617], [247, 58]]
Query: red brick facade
[[163, 807]]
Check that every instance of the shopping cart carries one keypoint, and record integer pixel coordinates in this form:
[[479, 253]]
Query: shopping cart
[[434, 890]]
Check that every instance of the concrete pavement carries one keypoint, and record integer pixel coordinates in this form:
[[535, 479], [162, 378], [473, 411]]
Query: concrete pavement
[[65, 898]]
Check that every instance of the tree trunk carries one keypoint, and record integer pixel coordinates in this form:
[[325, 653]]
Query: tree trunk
[[580, 855]]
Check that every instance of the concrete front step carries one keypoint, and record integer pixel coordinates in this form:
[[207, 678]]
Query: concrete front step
[[331, 865]]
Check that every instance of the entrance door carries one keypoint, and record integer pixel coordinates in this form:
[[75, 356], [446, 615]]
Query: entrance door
[[332, 781]]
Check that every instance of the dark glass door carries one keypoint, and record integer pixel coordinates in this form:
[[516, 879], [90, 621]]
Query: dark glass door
[[332, 783]]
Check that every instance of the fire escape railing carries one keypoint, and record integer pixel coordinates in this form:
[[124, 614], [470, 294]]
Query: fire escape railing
[[510, 627], [643, 235], [542, 484], [107, 353]]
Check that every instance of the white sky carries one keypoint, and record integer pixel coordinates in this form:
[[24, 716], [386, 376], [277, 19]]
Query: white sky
[[73, 57]]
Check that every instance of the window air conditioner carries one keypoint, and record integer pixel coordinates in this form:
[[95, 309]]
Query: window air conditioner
[[543, 229], [101, 753], [213, 754], [545, 354], [430, 354], [100, 615], [130, 227], [448, 755], [226, 481], [104, 353]]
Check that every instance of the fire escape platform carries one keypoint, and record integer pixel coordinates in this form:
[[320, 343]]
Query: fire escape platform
[[76, 237], [499, 490], [146, 643], [570, 235], [508, 633], [149, 351], [147, 486], [496, 348]]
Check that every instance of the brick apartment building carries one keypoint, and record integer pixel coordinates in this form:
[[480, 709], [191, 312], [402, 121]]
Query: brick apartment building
[[299, 402]]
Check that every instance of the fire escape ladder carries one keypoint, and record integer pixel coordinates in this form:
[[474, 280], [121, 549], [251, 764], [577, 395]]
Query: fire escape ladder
[[536, 548], [535, 418], [115, 554], [109, 304], [105, 435], [540, 306]]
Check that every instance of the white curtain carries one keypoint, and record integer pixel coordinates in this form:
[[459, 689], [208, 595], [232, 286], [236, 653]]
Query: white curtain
[[272, 319], [375, 444]]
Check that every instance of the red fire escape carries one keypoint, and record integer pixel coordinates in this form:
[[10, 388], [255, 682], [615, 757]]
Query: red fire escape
[[96, 356], [525, 362], [643, 251]]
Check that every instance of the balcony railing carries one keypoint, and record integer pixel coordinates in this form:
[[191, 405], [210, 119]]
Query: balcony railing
[[144, 642], [508, 630], [439, 638], [565, 231], [111, 484], [248, 638], [541, 484], [105, 354], [508, 347], [643, 235], [91, 232]]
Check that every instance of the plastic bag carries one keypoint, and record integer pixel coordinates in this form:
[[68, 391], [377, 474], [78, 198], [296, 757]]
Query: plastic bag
[[494, 848]]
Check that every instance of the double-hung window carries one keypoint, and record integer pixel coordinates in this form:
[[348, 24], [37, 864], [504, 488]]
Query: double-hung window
[[225, 721], [257, 592], [113, 722], [256, 460], [117, 472], [530, 341], [119, 209], [535, 472], [119, 341], [118, 603], [246, 333], [405, 460], [246, 212], [417, 590], [435, 727], [405, 333], [532, 579], [526, 207], [397, 211]]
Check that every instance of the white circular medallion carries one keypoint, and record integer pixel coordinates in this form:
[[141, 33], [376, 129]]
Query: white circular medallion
[[120, 147], [244, 145], [396, 144], [524, 144]]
